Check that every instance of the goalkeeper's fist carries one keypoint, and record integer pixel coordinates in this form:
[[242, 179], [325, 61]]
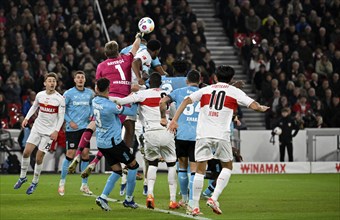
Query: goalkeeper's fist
[[139, 35]]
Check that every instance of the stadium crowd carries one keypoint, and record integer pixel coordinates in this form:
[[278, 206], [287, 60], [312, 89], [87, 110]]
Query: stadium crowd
[[289, 49]]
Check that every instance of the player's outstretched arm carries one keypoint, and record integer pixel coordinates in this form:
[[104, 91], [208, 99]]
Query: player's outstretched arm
[[257, 107], [130, 111]]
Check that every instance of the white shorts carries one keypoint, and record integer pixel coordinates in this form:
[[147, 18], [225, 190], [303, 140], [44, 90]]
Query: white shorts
[[212, 148], [42, 141], [160, 143]]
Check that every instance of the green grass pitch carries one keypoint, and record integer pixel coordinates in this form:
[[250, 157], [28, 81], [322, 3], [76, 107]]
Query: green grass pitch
[[294, 196]]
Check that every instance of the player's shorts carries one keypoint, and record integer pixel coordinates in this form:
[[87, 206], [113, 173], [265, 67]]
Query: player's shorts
[[185, 149], [160, 143], [42, 141], [73, 139], [205, 148], [117, 154]]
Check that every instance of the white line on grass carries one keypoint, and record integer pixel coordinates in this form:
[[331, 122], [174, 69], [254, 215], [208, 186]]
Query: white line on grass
[[157, 209]]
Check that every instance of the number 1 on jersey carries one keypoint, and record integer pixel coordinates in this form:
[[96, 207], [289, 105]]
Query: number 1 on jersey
[[121, 72]]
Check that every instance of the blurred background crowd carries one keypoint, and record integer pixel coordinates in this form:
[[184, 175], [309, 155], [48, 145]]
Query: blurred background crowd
[[290, 50]]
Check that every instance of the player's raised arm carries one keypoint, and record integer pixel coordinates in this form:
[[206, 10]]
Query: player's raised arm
[[136, 43]]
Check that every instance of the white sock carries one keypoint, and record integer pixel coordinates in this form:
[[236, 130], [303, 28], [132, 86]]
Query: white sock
[[124, 178], [172, 183], [24, 166], [62, 182], [37, 171], [197, 189], [221, 183], [151, 178]]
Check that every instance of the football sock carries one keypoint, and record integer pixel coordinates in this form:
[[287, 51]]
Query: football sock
[[37, 171], [172, 182], [24, 166], [110, 183], [191, 182], [131, 183], [151, 178], [197, 189], [99, 156], [84, 140], [221, 183], [83, 165], [183, 182], [64, 167]]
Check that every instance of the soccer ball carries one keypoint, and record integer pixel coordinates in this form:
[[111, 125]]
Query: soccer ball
[[146, 25], [277, 130]]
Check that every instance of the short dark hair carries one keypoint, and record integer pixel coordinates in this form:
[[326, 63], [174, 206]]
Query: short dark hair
[[193, 76], [103, 84], [154, 45], [225, 73], [180, 66], [155, 80], [51, 74]]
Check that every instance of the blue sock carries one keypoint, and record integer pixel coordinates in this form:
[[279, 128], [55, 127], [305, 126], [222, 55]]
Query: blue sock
[[110, 183], [64, 167], [131, 182], [83, 165], [190, 185], [210, 182], [183, 181], [210, 189]]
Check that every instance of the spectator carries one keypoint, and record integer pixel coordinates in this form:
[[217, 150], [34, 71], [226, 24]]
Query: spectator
[[12, 89], [28, 102], [301, 107], [4, 116], [335, 84], [324, 67], [252, 22]]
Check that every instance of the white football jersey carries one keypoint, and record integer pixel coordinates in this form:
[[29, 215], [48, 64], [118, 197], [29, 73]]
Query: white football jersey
[[145, 58], [218, 103], [149, 112], [51, 112]]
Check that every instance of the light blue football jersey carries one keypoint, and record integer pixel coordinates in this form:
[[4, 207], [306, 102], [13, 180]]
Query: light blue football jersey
[[169, 84], [187, 122], [108, 125], [78, 105]]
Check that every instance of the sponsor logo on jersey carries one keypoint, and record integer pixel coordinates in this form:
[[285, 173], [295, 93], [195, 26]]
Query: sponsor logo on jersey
[[115, 62], [46, 108], [119, 107]]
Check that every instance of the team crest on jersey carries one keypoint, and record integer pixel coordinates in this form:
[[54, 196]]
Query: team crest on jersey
[[144, 57], [119, 107]]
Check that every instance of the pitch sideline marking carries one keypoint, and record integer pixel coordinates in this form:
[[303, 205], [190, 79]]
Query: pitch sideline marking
[[156, 209]]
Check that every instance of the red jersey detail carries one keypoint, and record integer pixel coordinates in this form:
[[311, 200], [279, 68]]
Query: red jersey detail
[[151, 102], [205, 100], [231, 103], [48, 108]]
